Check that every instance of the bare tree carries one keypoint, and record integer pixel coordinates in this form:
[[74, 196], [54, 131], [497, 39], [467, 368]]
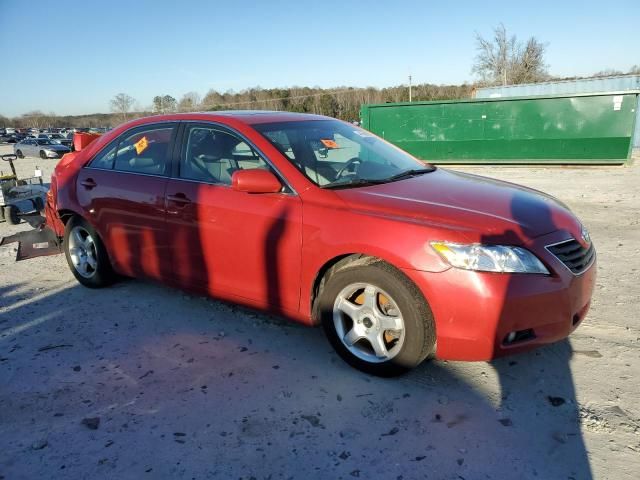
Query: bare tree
[[504, 60], [121, 104], [164, 104], [189, 102], [35, 119]]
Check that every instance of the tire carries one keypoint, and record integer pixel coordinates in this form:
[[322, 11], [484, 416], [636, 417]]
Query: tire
[[19, 154], [87, 259], [364, 290], [38, 204], [11, 214], [43, 155]]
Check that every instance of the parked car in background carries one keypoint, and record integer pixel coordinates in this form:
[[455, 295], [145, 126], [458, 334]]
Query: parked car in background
[[11, 137], [325, 223], [40, 147], [57, 138]]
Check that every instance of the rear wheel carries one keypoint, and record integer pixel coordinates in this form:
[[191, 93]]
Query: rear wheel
[[11, 214], [376, 319], [19, 154], [86, 254]]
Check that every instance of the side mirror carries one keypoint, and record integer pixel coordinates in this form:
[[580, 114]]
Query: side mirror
[[255, 181]]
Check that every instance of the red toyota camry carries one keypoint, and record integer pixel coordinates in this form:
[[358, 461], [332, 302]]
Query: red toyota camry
[[325, 223]]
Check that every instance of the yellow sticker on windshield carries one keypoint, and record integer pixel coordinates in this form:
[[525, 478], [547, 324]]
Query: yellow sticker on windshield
[[329, 143], [141, 145]]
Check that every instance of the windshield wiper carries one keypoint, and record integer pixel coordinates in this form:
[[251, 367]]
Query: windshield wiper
[[410, 173], [359, 182]]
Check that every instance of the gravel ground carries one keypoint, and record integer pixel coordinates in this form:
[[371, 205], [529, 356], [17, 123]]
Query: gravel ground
[[141, 381]]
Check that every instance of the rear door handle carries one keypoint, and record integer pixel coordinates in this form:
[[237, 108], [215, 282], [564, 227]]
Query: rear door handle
[[180, 198], [89, 183]]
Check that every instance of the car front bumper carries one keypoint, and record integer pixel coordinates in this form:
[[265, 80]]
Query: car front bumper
[[475, 312]]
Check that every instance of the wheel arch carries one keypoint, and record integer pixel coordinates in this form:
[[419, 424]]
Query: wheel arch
[[67, 214], [332, 266]]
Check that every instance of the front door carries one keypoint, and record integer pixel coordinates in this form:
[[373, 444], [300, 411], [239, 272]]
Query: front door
[[122, 192], [226, 243]]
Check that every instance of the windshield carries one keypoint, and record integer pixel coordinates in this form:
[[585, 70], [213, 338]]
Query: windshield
[[336, 154], [55, 135], [44, 141]]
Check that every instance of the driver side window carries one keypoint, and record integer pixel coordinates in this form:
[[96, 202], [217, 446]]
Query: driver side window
[[212, 155]]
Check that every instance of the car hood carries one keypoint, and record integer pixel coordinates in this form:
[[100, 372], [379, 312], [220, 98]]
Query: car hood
[[480, 208]]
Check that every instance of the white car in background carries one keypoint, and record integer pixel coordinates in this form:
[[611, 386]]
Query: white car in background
[[39, 147]]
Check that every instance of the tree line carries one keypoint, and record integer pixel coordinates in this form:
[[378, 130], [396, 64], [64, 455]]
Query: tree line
[[342, 102]]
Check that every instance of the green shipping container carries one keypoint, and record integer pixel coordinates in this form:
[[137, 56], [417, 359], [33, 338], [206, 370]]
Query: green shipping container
[[581, 128]]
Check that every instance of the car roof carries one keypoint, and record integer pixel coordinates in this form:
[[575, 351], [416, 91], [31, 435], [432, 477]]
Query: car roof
[[249, 117]]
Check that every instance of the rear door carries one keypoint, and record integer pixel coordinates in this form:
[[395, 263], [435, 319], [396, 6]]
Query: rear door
[[122, 191], [227, 243]]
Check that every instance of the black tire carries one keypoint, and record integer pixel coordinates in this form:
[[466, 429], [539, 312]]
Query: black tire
[[419, 328], [11, 214], [100, 276], [38, 204], [43, 155], [19, 154]]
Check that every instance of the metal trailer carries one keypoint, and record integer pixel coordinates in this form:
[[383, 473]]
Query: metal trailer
[[593, 128]]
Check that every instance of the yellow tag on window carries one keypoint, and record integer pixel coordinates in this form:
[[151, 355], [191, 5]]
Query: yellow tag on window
[[141, 145], [329, 143]]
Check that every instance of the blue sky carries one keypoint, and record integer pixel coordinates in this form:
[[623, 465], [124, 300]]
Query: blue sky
[[72, 57]]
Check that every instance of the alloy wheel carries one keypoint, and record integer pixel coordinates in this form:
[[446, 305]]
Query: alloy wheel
[[368, 322], [82, 250]]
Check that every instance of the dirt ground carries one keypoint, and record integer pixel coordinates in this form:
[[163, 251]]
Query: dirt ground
[[187, 387]]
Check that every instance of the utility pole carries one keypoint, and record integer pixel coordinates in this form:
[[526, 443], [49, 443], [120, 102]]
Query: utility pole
[[409, 88]]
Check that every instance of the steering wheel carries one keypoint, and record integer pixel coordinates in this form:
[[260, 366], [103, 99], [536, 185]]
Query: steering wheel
[[9, 157], [348, 166]]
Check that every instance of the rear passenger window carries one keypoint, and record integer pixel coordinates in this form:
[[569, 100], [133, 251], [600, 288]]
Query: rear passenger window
[[146, 151]]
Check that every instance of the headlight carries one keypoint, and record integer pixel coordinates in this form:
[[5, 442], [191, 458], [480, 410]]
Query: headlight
[[490, 258]]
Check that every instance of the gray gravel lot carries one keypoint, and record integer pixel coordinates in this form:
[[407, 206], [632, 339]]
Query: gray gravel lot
[[187, 387]]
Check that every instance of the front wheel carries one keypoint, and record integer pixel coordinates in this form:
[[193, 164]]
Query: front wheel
[[86, 255], [11, 214], [376, 319], [43, 155]]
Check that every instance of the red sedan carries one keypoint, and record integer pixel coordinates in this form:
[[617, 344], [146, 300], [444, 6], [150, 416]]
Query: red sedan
[[325, 223]]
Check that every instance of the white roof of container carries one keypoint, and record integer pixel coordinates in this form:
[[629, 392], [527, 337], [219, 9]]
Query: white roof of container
[[584, 85]]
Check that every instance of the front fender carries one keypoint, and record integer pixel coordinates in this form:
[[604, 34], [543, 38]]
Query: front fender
[[403, 244]]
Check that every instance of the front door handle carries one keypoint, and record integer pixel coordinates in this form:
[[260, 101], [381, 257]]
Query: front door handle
[[89, 183]]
